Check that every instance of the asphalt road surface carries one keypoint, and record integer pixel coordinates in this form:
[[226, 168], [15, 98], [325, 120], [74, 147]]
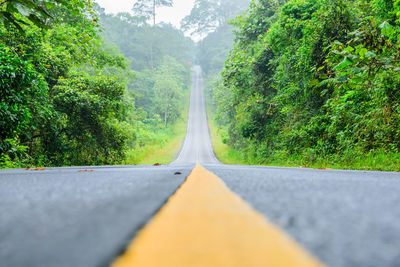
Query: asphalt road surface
[[85, 216], [197, 145]]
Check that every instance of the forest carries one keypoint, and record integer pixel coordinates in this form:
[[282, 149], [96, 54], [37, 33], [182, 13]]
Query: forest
[[310, 83], [313, 83], [81, 87]]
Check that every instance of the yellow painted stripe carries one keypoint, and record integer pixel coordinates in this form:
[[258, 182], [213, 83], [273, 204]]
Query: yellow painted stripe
[[205, 224]]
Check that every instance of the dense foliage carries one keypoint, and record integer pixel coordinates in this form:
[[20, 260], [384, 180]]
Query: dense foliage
[[310, 80], [68, 97], [53, 111], [161, 58], [144, 45], [16, 13]]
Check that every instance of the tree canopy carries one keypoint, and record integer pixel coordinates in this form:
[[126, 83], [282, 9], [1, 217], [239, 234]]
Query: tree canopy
[[37, 12], [207, 15], [147, 8], [68, 95]]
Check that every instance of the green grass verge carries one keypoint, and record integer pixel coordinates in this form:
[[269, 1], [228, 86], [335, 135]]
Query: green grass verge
[[222, 151], [163, 151], [165, 147], [379, 160]]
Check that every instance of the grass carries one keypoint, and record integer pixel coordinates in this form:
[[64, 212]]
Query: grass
[[165, 151], [373, 161], [165, 148], [222, 151]]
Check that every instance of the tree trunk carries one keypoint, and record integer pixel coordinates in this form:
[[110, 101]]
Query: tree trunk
[[152, 36], [154, 12]]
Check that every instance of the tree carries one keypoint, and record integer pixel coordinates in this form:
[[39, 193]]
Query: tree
[[135, 37], [207, 15], [310, 81], [57, 106], [23, 94], [168, 90], [91, 108], [147, 8], [213, 50], [20, 12]]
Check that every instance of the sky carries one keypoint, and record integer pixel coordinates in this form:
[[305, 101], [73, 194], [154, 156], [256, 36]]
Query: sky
[[172, 15]]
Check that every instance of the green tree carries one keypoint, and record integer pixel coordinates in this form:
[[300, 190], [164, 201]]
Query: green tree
[[23, 106], [45, 72], [168, 90], [207, 15], [313, 80], [147, 8], [19, 12], [91, 109]]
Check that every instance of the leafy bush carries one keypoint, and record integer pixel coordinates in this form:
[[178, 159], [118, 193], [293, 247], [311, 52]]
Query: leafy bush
[[24, 105], [90, 109]]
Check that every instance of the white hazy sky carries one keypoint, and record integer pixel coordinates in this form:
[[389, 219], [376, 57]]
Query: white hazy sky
[[172, 15]]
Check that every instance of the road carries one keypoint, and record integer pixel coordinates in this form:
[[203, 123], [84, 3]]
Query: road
[[197, 144], [87, 216]]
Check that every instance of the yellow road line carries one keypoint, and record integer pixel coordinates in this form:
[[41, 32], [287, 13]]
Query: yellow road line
[[205, 224]]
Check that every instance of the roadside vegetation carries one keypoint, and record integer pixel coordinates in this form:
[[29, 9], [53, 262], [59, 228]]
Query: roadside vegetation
[[162, 146], [313, 83], [79, 87], [221, 149]]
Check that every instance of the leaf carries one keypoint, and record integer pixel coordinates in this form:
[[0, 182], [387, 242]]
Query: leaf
[[349, 49], [50, 5], [356, 70], [38, 22], [314, 82], [370, 54], [385, 25], [336, 42], [324, 92], [363, 51], [21, 8], [30, 9], [358, 79], [356, 33], [2, 17], [344, 64], [386, 60], [338, 52], [11, 19], [387, 29], [342, 78], [43, 12]]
